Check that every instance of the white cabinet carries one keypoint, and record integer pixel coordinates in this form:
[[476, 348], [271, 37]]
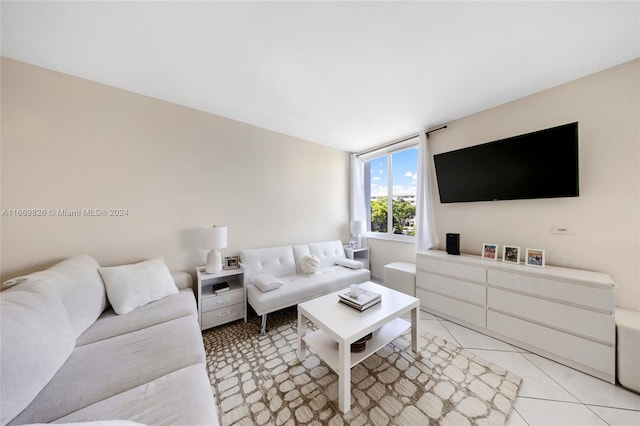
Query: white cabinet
[[217, 309], [560, 313]]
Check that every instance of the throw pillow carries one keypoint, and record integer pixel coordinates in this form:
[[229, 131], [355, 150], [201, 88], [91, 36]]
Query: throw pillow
[[266, 282], [37, 339], [310, 264], [350, 263], [131, 286]]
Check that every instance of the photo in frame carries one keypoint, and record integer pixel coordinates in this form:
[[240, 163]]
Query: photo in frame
[[511, 254], [534, 257], [490, 251], [231, 262]]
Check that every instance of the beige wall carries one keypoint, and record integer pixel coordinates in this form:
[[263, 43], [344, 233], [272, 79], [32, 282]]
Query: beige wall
[[604, 218], [68, 143]]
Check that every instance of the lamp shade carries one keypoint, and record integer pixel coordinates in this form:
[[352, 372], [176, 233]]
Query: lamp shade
[[356, 226], [214, 237]]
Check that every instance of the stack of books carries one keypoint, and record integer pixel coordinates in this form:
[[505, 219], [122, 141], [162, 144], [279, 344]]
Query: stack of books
[[220, 288], [365, 299]]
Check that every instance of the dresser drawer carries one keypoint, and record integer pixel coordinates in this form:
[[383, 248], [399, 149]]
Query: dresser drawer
[[569, 347], [574, 320], [222, 316], [451, 269], [451, 308], [227, 299], [593, 297], [463, 290]]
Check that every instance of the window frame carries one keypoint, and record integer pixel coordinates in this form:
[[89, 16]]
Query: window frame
[[388, 152]]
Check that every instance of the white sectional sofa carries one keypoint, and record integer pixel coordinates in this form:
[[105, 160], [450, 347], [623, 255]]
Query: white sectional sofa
[[285, 263], [67, 357]]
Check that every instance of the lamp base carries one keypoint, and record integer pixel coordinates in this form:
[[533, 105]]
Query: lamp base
[[214, 262]]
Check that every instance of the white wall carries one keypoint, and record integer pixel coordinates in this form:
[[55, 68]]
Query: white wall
[[69, 143], [605, 218]]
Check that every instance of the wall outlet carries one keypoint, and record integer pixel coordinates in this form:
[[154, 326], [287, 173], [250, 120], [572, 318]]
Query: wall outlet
[[557, 229]]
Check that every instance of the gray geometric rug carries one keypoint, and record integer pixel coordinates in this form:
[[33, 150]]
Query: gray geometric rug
[[259, 381]]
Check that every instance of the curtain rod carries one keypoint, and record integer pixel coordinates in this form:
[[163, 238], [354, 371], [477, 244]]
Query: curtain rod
[[399, 141]]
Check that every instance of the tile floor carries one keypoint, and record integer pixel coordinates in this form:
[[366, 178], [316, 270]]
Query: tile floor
[[551, 393]]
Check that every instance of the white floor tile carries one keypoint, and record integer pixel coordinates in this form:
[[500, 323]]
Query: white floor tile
[[427, 315], [540, 412], [535, 383], [436, 327], [587, 389], [515, 419], [616, 416], [472, 339]]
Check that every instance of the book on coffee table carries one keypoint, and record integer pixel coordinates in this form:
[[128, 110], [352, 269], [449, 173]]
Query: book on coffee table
[[365, 299]]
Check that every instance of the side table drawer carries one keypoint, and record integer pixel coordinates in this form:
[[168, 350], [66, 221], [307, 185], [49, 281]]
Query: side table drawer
[[227, 299], [222, 316]]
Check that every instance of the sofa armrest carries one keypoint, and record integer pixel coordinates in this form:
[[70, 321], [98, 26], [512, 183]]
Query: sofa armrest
[[183, 280]]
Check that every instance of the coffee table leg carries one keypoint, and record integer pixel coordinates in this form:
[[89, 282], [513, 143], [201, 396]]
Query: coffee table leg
[[344, 376], [302, 330], [415, 322]]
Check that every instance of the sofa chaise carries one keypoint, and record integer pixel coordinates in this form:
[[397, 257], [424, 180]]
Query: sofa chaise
[[286, 263], [67, 357]]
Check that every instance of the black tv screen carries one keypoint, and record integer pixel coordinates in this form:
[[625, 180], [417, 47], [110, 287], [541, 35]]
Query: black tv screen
[[541, 164]]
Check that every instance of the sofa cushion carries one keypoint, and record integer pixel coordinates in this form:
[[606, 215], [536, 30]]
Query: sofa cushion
[[80, 287], [132, 286], [298, 288], [277, 261], [327, 252], [109, 367], [37, 338], [166, 309], [96, 423], [183, 397]]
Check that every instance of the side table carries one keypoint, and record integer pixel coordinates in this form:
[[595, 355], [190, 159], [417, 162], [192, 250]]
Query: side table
[[217, 309]]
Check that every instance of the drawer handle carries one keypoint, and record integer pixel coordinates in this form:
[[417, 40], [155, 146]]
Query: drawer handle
[[223, 301], [225, 314]]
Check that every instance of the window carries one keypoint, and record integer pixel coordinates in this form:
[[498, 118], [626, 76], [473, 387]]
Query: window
[[390, 185]]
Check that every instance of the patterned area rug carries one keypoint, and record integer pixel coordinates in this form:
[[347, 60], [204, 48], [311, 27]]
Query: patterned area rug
[[259, 381]]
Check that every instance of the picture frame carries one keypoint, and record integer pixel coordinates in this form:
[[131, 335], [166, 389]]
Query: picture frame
[[490, 251], [511, 254], [534, 257], [231, 262]]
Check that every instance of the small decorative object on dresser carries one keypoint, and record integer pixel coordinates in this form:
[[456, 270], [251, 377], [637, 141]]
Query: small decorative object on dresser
[[511, 254], [490, 251], [231, 262], [534, 257]]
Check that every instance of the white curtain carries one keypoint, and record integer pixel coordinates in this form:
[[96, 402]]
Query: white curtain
[[358, 206], [426, 237]]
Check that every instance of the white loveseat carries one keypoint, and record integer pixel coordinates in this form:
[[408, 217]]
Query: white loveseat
[[285, 263], [67, 357]]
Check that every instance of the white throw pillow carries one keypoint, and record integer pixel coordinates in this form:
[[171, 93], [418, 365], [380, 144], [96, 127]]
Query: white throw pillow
[[131, 286], [310, 264], [266, 282], [350, 263]]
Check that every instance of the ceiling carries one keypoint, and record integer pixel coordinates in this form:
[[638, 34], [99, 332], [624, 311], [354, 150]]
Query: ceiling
[[350, 75]]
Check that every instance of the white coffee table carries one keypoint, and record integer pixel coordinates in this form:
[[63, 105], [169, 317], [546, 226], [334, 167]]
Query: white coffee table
[[340, 323]]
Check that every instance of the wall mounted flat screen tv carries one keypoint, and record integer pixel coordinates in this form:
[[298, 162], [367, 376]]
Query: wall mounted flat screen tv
[[541, 164]]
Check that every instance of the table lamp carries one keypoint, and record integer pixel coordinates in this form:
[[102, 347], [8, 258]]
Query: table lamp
[[215, 238]]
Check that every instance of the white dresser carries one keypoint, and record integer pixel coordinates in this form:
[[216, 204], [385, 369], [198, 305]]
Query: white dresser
[[560, 313]]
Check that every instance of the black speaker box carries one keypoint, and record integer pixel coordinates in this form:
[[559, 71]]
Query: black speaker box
[[453, 244]]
